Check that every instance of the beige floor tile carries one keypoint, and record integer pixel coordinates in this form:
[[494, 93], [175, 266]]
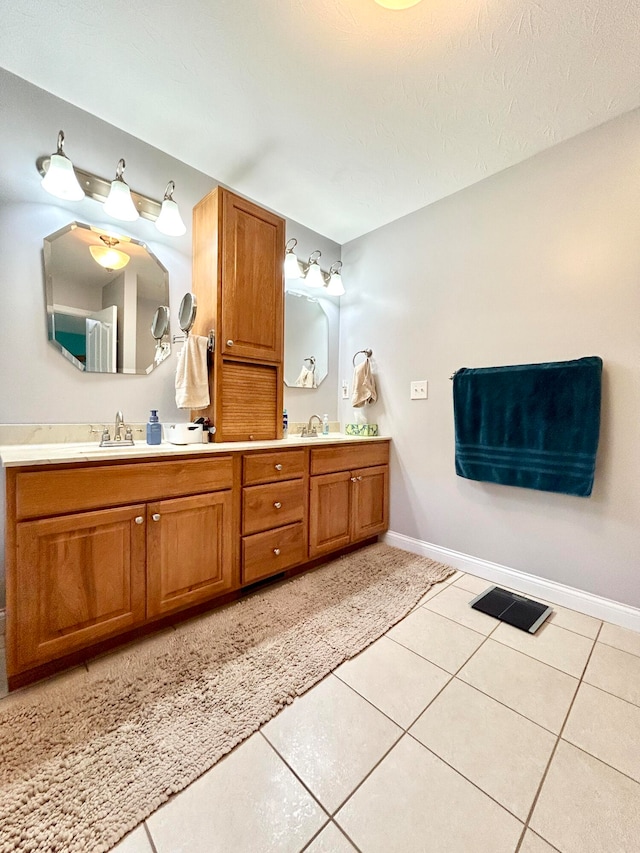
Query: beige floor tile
[[620, 638], [473, 584], [528, 686], [413, 802], [330, 840], [136, 842], [454, 577], [574, 621], [558, 647], [331, 738], [532, 843], [396, 680], [615, 671], [249, 801], [435, 590], [606, 727], [453, 602], [500, 751], [440, 640], [586, 806]]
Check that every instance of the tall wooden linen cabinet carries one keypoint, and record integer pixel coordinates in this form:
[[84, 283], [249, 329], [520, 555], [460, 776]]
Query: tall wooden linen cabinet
[[238, 280]]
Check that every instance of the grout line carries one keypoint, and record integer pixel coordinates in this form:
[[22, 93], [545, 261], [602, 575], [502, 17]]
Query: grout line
[[578, 677], [149, 836], [295, 773], [609, 693], [554, 750], [314, 836], [609, 645]]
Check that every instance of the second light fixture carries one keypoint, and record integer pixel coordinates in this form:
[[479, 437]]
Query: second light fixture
[[311, 272]]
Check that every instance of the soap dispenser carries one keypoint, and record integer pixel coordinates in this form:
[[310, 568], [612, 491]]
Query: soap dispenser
[[325, 424], [154, 428]]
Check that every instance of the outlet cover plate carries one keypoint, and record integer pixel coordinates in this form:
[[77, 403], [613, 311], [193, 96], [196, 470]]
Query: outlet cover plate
[[419, 389]]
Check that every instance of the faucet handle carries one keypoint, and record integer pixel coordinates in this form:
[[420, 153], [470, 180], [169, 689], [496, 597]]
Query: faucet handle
[[128, 433]]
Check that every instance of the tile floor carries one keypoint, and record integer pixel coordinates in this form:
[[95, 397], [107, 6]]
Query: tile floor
[[453, 733]]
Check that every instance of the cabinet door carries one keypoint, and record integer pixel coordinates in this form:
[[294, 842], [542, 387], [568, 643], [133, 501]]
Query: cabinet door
[[252, 281], [329, 513], [189, 551], [82, 580], [370, 501]]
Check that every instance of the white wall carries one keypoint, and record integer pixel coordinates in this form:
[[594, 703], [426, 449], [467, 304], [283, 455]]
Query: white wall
[[538, 263]]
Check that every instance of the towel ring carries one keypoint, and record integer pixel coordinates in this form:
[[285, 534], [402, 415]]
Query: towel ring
[[366, 352]]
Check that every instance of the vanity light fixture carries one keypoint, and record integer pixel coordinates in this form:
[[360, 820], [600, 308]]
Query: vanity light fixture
[[66, 181], [108, 256], [311, 272], [170, 222], [119, 203], [60, 179]]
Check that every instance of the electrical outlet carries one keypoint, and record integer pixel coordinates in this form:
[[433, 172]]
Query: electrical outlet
[[345, 389], [419, 389]]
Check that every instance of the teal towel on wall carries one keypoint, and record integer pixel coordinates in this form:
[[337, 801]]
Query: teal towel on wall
[[529, 425]]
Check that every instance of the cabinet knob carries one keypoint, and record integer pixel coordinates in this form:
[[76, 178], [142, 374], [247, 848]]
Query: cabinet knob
[[277, 504], [353, 479], [139, 519], [276, 551], [358, 478], [251, 437], [156, 516], [229, 343], [278, 467]]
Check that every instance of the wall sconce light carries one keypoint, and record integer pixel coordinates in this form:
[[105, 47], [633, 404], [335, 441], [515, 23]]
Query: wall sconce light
[[108, 256], [119, 203], [311, 272], [170, 222], [66, 181], [60, 179]]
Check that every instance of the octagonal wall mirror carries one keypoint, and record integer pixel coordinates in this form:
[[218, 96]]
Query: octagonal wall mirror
[[107, 300], [306, 341]]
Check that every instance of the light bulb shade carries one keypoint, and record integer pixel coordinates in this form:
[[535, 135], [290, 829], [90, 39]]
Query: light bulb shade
[[291, 265], [335, 286], [109, 258], [170, 222], [119, 203], [397, 4], [61, 180], [314, 277]]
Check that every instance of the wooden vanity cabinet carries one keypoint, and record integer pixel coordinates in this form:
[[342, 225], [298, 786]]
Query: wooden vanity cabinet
[[238, 279], [347, 504]]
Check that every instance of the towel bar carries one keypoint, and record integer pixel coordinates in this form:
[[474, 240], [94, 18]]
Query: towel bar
[[366, 352], [211, 344]]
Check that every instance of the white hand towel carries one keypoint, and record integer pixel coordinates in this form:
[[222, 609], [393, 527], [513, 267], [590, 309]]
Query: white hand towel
[[192, 374], [307, 378], [364, 385]]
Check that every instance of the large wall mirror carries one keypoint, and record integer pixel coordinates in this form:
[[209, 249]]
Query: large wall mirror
[[107, 300], [306, 341]]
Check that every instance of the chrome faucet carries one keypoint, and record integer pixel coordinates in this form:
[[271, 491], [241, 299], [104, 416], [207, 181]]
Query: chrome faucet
[[310, 428], [119, 426], [118, 438]]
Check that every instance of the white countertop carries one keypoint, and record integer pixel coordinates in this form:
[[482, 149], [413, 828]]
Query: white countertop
[[13, 455]]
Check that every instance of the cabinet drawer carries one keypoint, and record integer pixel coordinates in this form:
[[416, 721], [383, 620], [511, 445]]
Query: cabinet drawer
[[265, 554], [273, 466], [63, 490], [326, 460], [272, 505]]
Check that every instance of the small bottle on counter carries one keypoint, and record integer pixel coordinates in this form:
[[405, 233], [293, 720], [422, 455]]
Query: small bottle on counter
[[154, 428], [285, 424], [325, 424]]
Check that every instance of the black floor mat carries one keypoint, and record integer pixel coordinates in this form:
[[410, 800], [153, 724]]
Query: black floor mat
[[514, 609]]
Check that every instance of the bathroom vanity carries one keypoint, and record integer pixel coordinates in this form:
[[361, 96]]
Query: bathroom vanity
[[103, 543]]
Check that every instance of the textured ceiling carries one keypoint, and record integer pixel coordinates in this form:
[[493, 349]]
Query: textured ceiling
[[340, 114]]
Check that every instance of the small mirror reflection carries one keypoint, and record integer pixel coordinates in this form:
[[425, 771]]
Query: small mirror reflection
[[105, 292], [306, 336]]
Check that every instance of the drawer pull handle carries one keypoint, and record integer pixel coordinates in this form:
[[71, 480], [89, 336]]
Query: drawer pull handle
[[278, 466], [156, 516], [139, 519], [229, 343], [277, 504], [353, 479], [276, 551]]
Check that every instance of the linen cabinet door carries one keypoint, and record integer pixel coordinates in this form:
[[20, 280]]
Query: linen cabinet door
[[189, 551], [370, 501], [252, 280], [83, 581], [329, 513]]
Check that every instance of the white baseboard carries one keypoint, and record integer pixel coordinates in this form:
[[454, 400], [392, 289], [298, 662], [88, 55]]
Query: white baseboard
[[557, 593]]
